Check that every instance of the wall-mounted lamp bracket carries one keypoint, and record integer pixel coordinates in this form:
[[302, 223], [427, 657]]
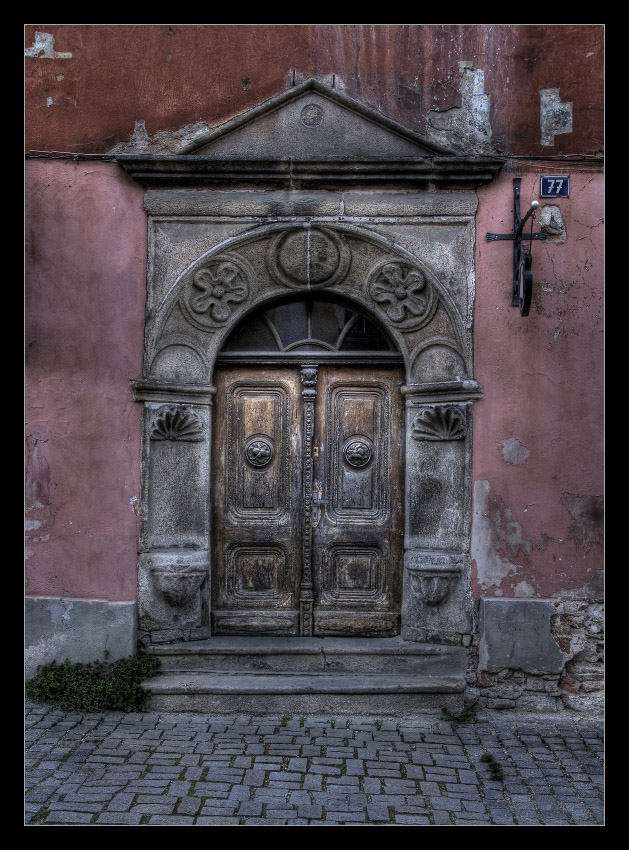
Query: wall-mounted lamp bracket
[[522, 259]]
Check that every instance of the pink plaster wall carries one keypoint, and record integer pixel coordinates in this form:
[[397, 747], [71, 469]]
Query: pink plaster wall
[[537, 526], [86, 258]]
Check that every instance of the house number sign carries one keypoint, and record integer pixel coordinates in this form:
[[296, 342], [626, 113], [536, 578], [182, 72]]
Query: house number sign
[[554, 186]]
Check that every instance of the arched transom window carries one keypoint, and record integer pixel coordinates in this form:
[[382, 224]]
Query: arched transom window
[[299, 327]]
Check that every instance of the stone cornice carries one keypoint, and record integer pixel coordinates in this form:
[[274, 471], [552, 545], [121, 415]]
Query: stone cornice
[[191, 170], [161, 392]]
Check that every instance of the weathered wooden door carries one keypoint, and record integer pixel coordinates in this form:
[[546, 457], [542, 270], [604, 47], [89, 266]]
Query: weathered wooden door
[[307, 516]]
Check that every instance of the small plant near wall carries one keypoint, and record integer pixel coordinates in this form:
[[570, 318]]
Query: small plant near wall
[[93, 687], [467, 716]]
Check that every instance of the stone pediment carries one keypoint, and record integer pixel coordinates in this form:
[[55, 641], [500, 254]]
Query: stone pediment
[[310, 136], [313, 122]]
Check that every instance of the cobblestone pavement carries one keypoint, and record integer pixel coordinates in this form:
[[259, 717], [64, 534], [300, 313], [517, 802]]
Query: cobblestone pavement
[[197, 770]]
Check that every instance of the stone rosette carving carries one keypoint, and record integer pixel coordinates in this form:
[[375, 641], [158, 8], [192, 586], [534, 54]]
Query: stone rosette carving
[[311, 115], [404, 293], [308, 258], [177, 423], [259, 451], [439, 423], [433, 576], [216, 289]]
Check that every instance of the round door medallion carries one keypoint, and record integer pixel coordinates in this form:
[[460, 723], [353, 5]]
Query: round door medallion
[[357, 453], [259, 452]]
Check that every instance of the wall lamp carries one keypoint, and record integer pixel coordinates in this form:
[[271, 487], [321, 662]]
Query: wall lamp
[[522, 257]]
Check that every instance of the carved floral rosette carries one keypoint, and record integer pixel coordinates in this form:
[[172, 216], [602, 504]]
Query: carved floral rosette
[[433, 576], [216, 289], [403, 292], [259, 450]]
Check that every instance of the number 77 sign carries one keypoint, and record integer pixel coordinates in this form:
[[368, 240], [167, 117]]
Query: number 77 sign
[[554, 186]]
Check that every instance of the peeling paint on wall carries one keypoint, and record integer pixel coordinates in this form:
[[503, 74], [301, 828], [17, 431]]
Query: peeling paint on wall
[[496, 537], [514, 452], [464, 128], [163, 142], [552, 224], [44, 48], [37, 475], [587, 513], [555, 116]]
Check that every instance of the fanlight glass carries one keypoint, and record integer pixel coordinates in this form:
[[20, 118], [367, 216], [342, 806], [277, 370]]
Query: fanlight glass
[[307, 326]]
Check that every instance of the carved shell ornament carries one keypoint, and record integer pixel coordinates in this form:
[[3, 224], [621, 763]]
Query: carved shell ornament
[[404, 293], [439, 423], [177, 423], [215, 289]]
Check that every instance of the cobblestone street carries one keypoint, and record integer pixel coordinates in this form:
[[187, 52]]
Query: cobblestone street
[[198, 770]]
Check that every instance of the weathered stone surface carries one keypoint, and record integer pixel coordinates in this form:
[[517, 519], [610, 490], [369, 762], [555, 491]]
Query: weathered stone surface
[[178, 478], [437, 600], [516, 633], [172, 589], [313, 122], [77, 630], [403, 257]]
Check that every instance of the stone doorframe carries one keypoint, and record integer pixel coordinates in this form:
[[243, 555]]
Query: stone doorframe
[[394, 237]]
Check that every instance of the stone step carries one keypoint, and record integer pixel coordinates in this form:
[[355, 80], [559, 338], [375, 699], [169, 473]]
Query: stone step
[[304, 693], [312, 655]]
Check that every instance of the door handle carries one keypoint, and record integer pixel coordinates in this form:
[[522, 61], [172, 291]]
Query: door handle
[[315, 514]]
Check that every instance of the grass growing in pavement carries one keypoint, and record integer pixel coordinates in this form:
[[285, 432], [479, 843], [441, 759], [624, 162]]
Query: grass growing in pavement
[[41, 815], [467, 716], [93, 687], [495, 770]]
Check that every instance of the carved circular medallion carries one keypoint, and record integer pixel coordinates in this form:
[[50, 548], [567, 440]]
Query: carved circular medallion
[[403, 292], [308, 257], [216, 289], [259, 451], [311, 115], [357, 452]]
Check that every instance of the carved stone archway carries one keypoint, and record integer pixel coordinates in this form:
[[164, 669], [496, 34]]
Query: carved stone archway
[[266, 207]]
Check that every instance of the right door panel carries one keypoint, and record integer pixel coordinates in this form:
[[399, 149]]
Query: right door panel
[[358, 533]]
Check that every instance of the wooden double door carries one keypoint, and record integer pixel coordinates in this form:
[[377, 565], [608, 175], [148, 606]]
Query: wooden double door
[[307, 500]]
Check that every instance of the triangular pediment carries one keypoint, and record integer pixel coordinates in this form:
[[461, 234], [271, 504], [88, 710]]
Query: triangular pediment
[[313, 122]]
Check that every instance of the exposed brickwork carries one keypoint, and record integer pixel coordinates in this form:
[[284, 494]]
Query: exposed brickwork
[[578, 628]]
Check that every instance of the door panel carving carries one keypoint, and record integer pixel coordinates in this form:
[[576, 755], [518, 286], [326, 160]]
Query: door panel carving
[[256, 550], [308, 510], [358, 444], [358, 544]]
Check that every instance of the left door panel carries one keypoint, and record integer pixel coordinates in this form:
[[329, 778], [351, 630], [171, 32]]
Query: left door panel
[[256, 504]]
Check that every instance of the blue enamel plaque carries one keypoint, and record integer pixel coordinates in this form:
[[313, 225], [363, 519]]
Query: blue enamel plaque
[[554, 186]]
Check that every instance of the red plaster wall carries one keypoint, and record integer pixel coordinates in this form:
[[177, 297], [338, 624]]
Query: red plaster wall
[[543, 382], [174, 75], [86, 255]]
